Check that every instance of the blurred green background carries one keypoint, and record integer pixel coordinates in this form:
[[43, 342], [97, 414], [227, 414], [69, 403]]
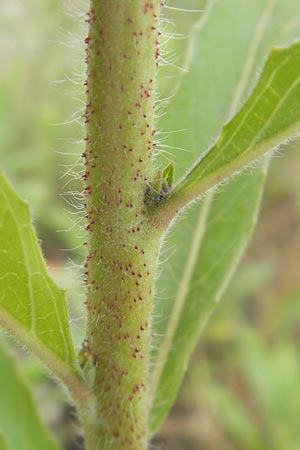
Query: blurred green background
[[242, 391]]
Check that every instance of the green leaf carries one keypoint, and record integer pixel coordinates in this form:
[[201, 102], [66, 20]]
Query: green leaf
[[2, 443], [20, 424], [270, 117], [32, 307], [227, 49], [168, 175]]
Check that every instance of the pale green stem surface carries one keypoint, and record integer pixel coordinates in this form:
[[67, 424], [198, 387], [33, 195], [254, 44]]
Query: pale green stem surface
[[122, 54]]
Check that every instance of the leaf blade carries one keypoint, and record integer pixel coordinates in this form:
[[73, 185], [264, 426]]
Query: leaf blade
[[20, 424], [32, 307], [269, 117]]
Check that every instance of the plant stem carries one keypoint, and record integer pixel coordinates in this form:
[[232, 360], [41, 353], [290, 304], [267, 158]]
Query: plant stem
[[122, 53]]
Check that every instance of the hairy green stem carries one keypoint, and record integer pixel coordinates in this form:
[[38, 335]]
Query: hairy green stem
[[122, 54]]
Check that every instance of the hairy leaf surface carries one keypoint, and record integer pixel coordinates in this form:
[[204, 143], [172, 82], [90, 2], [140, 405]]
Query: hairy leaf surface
[[32, 307], [20, 424], [270, 116], [227, 50]]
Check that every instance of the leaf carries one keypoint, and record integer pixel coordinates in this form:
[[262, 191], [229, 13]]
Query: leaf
[[168, 175], [270, 117], [2, 443], [20, 424], [32, 307], [227, 49]]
